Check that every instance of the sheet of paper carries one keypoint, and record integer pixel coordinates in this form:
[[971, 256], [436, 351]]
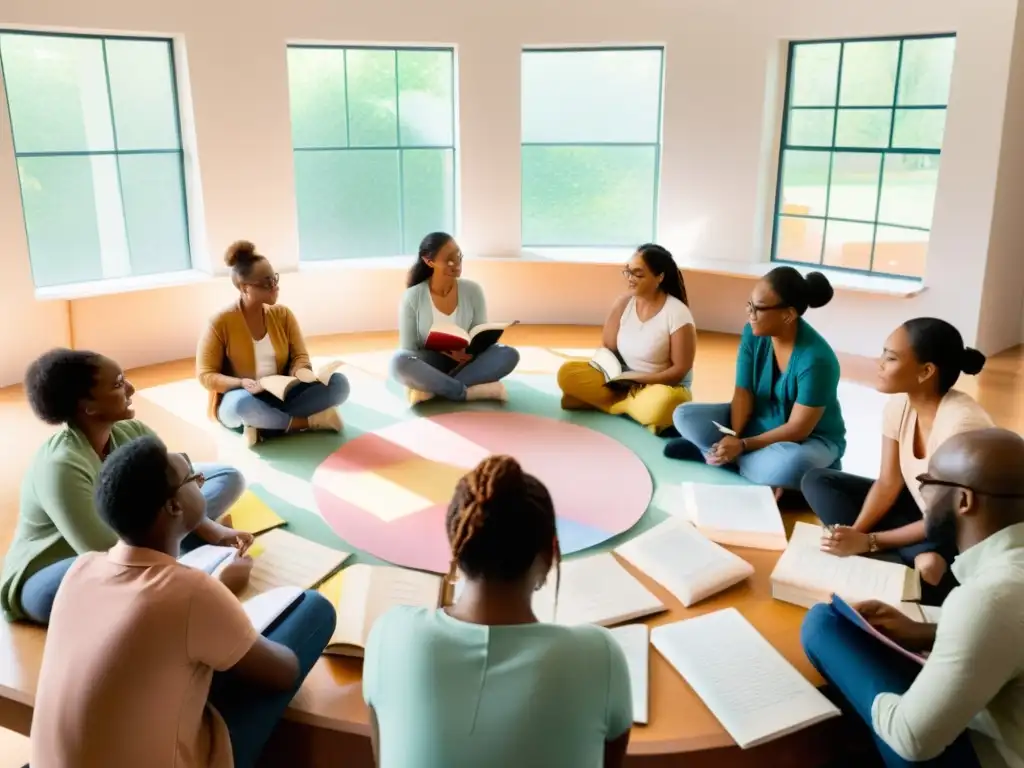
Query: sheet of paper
[[635, 642], [252, 515], [208, 557], [263, 609], [594, 590], [291, 561], [362, 593], [753, 691], [737, 515]]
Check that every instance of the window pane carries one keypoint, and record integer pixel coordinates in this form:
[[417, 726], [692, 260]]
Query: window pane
[[848, 245], [863, 128], [926, 71], [56, 93], [815, 74], [908, 190], [425, 99], [919, 128], [154, 213], [804, 182], [854, 188], [142, 93], [799, 240], [577, 196], [428, 194], [348, 203], [589, 97], [900, 251], [811, 127], [869, 73], [372, 106], [316, 88]]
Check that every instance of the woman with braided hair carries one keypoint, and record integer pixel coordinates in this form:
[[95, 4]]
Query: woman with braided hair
[[482, 682]]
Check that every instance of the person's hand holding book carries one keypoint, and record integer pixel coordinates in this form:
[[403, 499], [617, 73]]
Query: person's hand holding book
[[891, 622]]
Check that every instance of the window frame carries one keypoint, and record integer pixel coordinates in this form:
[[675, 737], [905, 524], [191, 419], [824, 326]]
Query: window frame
[[833, 148], [661, 49]]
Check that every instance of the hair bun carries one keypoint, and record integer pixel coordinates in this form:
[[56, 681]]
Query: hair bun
[[971, 361], [818, 290], [240, 252]]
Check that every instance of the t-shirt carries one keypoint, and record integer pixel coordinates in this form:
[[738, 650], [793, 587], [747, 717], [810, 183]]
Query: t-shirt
[[417, 313], [645, 345], [958, 412], [448, 694], [811, 379], [266, 357], [133, 643], [57, 518]]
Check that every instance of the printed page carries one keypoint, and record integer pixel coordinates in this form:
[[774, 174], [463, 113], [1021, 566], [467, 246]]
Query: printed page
[[291, 561], [594, 590], [683, 561], [753, 691], [635, 642], [736, 515], [391, 586]]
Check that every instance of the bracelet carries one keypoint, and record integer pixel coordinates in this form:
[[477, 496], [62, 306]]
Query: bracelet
[[872, 543]]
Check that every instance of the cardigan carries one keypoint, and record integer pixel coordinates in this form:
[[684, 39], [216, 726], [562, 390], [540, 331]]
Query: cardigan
[[416, 312], [227, 350]]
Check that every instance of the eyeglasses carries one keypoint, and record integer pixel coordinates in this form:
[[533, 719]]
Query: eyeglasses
[[925, 480], [191, 476], [636, 274], [755, 309], [267, 283]]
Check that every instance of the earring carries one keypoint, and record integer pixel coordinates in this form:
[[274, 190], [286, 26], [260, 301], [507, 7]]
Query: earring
[[90, 412]]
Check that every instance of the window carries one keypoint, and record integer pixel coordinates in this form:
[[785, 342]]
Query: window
[[373, 132], [98, 147], [861, 141], [591, 146]]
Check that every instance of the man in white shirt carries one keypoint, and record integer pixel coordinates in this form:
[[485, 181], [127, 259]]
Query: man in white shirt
[[965, 706]]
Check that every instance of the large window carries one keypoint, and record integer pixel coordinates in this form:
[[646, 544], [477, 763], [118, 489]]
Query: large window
[[373, 131], [861, 142], [591, 146], [98, 145]]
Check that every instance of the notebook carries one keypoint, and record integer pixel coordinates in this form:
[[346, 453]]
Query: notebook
[[749, 686], [850, 613], [263, 609], [282, 559], [208, 557], [252, 515], [594, 590], [734, 515], [804, 575], [684, 562], [635, 641], [362, 593]]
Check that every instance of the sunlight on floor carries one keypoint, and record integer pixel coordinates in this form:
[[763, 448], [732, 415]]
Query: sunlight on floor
[[14, 749]]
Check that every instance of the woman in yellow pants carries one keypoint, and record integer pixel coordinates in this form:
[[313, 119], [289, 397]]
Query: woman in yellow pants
[[651, 331]]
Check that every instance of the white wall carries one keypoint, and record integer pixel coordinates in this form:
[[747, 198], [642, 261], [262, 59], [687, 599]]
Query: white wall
[[721, 118]]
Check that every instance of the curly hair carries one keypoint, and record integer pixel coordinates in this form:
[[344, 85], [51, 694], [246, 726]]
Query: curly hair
[[58, 381], [133, 484]]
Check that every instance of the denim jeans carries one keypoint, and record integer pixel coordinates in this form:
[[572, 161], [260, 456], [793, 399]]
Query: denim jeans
[[428, 371], [239, 408]]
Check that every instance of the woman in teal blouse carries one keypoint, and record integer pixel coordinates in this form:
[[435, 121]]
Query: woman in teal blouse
[[785, 407]]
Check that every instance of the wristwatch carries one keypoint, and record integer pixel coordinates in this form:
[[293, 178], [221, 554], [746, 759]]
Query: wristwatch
[[872, 543]]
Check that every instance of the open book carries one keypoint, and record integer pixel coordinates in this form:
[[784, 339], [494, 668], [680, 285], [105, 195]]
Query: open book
[[451, 338], [804, 575], [279, 386], [252, 515], [635, 641], [594, 590], [749, 686], [678, 557], [263, 609], [362, 593], [734, 515], [282, 559], [850, 613], [611, 367]]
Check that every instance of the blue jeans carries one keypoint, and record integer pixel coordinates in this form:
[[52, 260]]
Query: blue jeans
[[780, 465], [238, 408], [859, 668], [250, 713], [222, 488], [428, 371]]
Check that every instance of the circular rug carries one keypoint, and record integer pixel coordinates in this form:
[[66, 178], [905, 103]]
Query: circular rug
[[387, 491]]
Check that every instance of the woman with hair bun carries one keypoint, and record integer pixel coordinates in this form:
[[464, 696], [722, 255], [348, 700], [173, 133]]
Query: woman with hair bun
[[482, 682], [784, 418], [257, 337], [920, 363]]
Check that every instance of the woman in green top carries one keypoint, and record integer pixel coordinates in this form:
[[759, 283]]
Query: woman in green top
[[482, 682], [784, 418], [90, 397]]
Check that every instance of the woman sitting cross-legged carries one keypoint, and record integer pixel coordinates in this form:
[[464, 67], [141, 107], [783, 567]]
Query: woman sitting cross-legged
[[785, 407], [438, 296], [482, 682], [651, 330], [90, 398], [257, 337], [921, 362]]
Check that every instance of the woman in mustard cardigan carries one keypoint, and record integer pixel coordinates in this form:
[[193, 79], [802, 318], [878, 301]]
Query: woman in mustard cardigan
[[257, 337]]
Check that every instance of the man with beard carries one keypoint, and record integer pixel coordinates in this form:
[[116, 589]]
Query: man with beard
[[965, 706]]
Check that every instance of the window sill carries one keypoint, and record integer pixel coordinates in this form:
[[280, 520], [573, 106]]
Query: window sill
[[121, 285], [368, 262]]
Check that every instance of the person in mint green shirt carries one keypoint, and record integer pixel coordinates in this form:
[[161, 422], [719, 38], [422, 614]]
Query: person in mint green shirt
[[482, 682], [90, 398], [785, 407]]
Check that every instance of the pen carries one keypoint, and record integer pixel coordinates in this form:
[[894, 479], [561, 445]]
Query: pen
[[724, 430]]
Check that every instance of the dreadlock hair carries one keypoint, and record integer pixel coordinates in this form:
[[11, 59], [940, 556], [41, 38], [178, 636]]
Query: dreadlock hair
[[499, 520]]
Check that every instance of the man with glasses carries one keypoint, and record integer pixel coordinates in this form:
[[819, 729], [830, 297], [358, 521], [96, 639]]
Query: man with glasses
[[965, 706]]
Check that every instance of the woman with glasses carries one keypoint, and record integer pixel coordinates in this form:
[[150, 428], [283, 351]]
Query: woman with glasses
[[88, 396], [651, 330], [437, 295], [920, 363], [784, 418], [257, 337]]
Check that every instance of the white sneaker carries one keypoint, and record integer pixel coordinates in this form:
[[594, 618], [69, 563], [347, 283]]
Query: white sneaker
[[494, 390], [251, 435], [326, 421], [416, 396]]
